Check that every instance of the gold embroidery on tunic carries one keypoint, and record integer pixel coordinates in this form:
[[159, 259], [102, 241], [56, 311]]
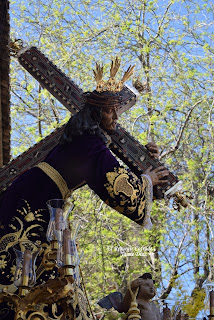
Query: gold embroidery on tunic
[[118, 182], [10, 239], [121, 184], [25, 225], [3, 262], [118, 185], [141, 209], [129, 195], [29, 215]]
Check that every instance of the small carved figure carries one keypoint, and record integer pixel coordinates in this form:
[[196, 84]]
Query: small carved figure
[[148, 309]]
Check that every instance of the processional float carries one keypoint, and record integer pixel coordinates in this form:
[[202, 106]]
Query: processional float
[[31, 301]]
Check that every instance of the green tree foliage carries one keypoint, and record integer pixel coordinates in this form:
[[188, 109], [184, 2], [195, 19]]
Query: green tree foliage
[[171, 43]]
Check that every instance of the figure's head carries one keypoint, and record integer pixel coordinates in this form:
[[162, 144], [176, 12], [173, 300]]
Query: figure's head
[[147, 289], [99, 111], [102, 106], [109, 94], [108, 103]]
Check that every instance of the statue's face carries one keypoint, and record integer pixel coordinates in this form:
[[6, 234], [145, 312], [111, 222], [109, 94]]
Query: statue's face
[[147, 289], [109, 119]]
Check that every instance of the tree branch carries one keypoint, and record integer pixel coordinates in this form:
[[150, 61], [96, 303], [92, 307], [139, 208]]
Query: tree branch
[[174, 272], [175, 147]]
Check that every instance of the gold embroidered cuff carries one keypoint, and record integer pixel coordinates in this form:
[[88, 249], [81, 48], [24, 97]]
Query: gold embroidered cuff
[[129, 195]]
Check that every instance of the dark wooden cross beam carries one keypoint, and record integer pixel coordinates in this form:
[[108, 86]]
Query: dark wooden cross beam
[[128, 149]]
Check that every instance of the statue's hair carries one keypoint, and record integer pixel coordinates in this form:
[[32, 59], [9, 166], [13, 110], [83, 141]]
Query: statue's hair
[[86, 120], [147, 275]]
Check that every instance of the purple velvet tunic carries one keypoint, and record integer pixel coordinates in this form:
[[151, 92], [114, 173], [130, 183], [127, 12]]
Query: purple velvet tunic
[[23, 210]]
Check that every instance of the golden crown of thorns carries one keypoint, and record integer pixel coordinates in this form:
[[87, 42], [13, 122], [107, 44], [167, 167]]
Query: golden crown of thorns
[[111, 84]]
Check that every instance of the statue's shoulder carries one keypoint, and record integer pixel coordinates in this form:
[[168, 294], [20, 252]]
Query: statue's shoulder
[[156, 310]]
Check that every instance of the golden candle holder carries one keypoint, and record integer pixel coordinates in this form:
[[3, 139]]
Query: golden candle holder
[[32, 305]]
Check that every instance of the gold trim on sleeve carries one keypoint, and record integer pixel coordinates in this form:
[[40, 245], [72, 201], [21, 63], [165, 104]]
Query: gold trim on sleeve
[[56, 177]]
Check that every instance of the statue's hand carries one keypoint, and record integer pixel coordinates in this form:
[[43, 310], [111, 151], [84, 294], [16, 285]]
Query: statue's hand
[[136, 283], [153, 150]]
